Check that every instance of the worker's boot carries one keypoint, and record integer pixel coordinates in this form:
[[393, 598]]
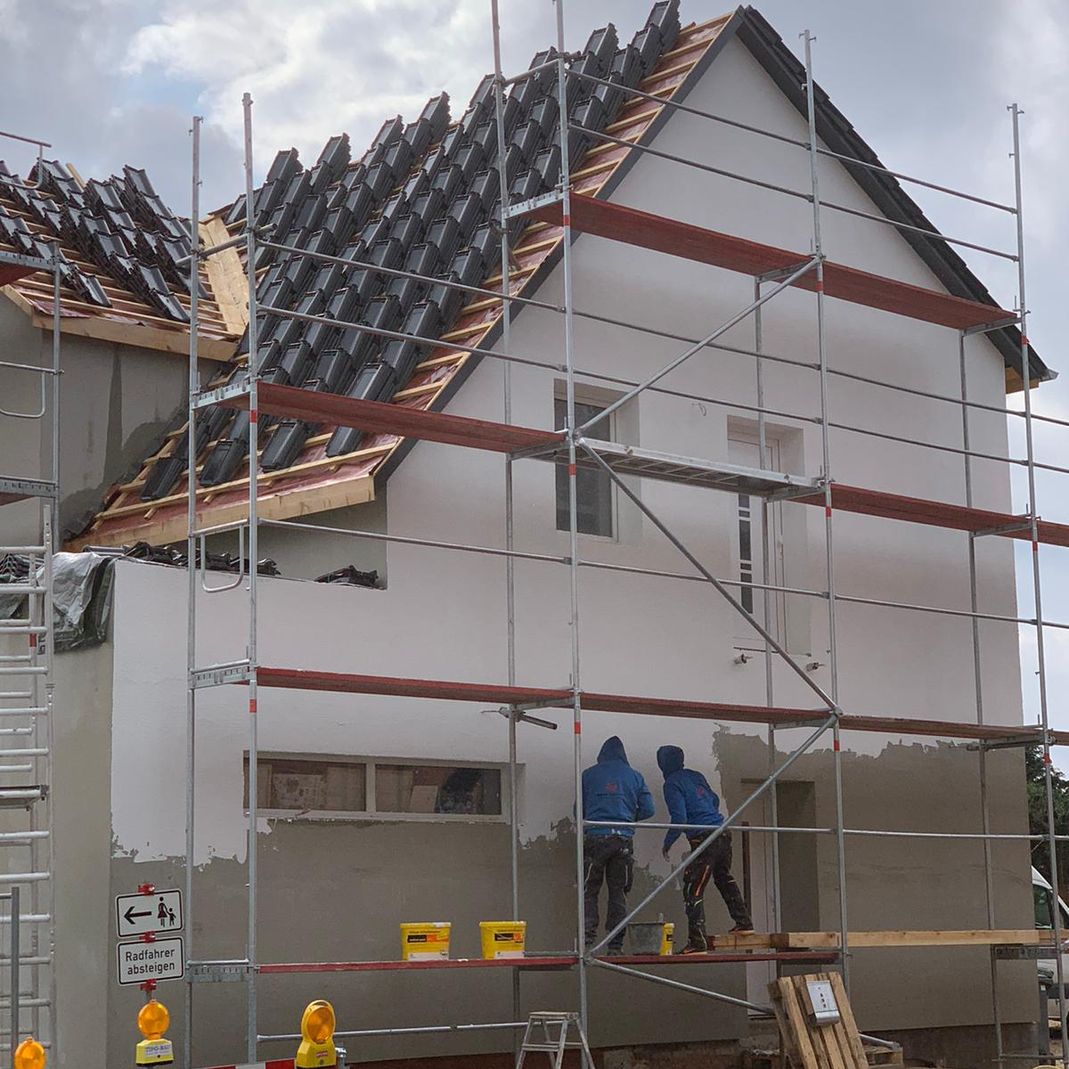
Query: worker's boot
[[697, 942]]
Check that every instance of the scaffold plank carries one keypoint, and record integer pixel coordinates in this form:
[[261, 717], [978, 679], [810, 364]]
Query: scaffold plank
[[503, 695], [619, 223]]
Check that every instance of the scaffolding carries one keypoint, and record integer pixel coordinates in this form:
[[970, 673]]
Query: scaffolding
[[27, 871], [773, 270]]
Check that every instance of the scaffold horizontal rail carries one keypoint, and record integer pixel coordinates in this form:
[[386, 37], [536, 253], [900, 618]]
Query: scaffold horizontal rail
[[502, 694], [18, 489], [616, 222]]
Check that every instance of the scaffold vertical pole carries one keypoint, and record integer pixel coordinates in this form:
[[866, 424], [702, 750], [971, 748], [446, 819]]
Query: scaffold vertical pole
[[191, 570], [250, 267], [573, 510], [829, 545], [773, 893], [1037, 588], [510, 529], [974, 601]]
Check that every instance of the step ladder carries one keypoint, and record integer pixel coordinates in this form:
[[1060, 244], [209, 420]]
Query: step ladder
[[547, 1032], [27, 644]]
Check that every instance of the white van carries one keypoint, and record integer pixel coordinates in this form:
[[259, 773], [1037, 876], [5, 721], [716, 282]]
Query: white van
[[1043, 898]]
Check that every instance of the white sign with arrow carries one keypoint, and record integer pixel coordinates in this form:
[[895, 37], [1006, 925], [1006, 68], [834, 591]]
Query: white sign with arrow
[[160, 911]]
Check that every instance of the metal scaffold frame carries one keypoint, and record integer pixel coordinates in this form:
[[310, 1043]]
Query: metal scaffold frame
[[571, 446], [27, 712]]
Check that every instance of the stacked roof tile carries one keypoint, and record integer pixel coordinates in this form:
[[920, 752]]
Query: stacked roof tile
[[423, 199], [118, 244]]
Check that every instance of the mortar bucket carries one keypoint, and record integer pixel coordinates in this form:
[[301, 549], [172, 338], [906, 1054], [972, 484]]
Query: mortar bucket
[[649, 937], [503, 939], [421, 942]]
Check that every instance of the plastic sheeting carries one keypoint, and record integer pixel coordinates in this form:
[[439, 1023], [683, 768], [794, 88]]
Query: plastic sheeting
[[81, 602]]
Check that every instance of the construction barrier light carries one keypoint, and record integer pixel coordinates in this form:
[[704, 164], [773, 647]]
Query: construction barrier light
[[29, 1054], [317, 1037], [152, 1021]]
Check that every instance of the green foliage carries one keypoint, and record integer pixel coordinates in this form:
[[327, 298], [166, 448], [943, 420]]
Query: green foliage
[[1037, 813]]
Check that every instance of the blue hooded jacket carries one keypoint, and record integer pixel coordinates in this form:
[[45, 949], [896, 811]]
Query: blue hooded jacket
[[687, 793], [613, 790]]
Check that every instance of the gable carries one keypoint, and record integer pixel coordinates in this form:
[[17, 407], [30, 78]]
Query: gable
[[311, 468]]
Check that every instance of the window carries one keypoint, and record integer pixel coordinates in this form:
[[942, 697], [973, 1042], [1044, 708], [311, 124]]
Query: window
[[1041, 897], [438, 789], [750, 544], [594, 490], [746, 552], [314, 787]]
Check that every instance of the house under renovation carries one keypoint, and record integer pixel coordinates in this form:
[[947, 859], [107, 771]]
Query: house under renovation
[[724, 471]]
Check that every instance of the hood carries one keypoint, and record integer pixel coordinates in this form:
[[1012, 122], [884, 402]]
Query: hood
[[669, 759], [612, 750]]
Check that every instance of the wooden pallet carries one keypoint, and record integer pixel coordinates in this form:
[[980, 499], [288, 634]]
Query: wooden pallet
[[810, 1046], [876, 1057]]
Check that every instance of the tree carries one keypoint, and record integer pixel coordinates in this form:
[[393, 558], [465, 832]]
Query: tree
[[1037, 813]]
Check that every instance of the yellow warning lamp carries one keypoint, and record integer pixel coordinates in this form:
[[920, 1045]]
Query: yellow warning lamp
[[29, 1054], [152, 1021], [317, 1037]]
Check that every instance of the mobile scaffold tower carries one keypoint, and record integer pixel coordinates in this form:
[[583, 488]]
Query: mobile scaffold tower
[[27, 647], [569, 211]]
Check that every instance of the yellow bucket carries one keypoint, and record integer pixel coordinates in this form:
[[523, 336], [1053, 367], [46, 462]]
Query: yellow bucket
[[503, 939], [421, 942], [667, 939]]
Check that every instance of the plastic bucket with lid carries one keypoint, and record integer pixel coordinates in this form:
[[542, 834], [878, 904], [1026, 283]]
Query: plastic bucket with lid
[[503, 939], [421, 942]]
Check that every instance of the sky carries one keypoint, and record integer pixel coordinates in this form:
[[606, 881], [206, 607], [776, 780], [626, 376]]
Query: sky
[[109, 82]]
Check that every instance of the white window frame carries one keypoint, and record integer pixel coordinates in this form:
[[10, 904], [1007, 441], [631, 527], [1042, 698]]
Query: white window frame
[[747, 638], [603, 402], [371, 814]]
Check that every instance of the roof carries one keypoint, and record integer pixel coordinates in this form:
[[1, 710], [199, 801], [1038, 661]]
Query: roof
[[423, 198], [119, 247]]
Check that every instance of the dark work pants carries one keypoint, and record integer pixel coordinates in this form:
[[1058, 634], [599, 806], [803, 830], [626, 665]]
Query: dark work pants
[[608, 858], [715, 861]]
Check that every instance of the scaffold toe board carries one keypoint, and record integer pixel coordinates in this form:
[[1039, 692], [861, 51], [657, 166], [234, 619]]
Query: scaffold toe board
[[533, 963], [376, 417], [616, 222], [907, 938], [498, 694], [938, 514]]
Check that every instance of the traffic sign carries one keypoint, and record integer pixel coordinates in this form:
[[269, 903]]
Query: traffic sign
[[161, 959], [160, 911]]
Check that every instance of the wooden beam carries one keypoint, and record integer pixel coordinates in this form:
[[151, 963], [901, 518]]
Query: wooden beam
[[283, 505], [906, 938], [226, 276]]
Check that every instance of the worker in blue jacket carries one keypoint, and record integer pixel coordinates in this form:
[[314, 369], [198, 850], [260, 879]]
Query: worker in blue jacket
[[612, 790], [691, 800]]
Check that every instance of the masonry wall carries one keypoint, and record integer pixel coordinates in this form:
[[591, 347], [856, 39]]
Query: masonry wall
[[338, 891], [116, 402]]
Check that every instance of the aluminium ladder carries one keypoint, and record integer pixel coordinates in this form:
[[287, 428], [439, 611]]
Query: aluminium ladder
[[554, 1027], [27, 648]]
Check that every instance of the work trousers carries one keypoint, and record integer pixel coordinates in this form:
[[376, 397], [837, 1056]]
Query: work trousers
[[607, 858], [715, 861]]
